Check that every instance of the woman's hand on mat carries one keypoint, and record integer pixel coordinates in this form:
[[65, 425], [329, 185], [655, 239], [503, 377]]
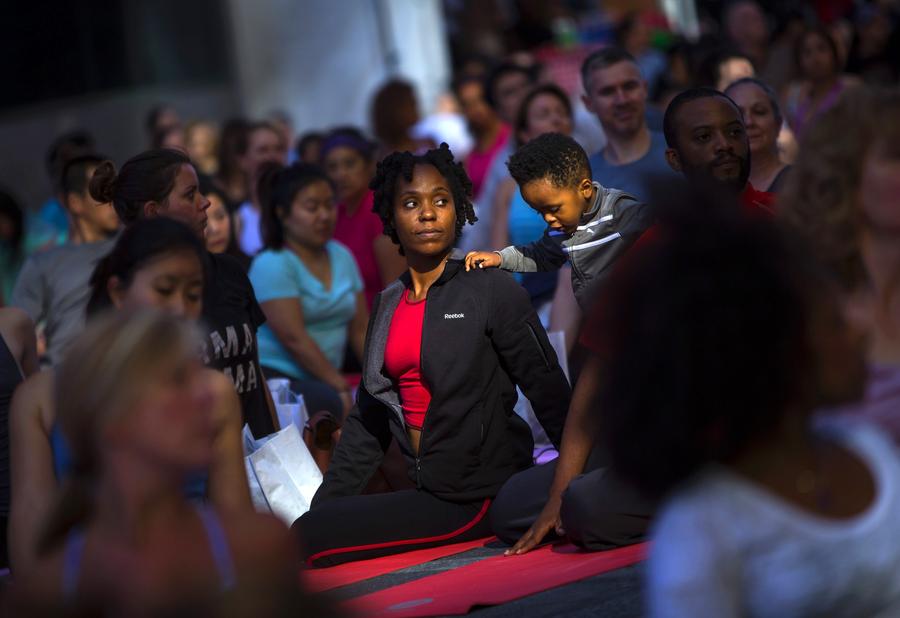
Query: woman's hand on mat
[[546, 522], [482, 259]]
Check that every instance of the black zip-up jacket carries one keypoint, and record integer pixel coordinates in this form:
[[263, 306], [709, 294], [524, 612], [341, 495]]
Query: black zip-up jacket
[[480, 337]]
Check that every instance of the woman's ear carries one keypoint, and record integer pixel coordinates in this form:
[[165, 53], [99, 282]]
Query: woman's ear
[[151, 209], [116, 291]]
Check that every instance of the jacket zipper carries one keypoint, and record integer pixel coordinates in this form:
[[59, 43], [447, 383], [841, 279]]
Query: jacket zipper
[[427, 386], [576, 268]]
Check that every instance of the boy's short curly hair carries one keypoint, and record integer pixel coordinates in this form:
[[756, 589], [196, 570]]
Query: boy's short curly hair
[[400, 165], [551, 156]]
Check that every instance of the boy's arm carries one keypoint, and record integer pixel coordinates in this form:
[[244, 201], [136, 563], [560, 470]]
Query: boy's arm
[[542, 255]]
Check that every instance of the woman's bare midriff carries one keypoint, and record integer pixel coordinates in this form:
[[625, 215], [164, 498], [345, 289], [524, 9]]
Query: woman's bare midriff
[[415, 436]]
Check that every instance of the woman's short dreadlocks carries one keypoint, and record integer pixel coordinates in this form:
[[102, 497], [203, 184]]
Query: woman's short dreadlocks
[[401, 164]]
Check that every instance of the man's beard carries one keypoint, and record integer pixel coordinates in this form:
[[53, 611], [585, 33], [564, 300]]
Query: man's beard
[[705, 176]]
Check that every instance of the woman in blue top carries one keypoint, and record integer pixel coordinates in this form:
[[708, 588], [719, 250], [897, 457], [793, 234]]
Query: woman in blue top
[[309, 287]]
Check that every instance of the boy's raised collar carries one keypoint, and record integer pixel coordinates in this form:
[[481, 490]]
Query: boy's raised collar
[[596, 202]]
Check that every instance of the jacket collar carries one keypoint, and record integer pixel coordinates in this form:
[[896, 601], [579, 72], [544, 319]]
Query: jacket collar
[[455, 263], [600, 195], [604, 202]]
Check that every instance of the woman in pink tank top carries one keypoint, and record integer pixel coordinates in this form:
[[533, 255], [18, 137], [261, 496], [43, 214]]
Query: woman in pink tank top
[[348, 159]]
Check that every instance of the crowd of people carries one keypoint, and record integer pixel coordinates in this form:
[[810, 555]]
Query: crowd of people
[[718, 240]]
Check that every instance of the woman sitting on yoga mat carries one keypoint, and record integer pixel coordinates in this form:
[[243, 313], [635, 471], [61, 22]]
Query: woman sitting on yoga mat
[[137, 408], [445, 349], [768, 512]]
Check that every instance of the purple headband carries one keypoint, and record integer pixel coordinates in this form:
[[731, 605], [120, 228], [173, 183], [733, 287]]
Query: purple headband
[[362, 146]]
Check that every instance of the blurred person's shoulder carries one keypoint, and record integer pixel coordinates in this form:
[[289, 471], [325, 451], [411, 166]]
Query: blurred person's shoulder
[[711, 501], [69, 255]]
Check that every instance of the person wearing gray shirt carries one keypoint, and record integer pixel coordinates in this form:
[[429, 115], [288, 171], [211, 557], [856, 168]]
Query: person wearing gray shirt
[[53, 286], [633, 159]]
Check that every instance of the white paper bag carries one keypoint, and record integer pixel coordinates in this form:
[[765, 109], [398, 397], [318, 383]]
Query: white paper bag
[[283, 475], [293, 413], [290, 407]]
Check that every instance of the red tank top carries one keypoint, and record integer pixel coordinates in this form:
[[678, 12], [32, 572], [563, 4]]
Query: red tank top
[[403, 359]]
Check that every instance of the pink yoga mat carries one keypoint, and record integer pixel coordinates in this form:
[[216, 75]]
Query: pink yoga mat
[[319, 580], [492, 581]]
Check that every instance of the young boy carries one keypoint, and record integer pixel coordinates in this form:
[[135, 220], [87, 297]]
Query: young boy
[[588, 225]]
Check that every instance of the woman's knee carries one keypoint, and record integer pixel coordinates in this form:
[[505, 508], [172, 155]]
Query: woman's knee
[[505, 514], [599, 512], [317, 530], [519, 502]]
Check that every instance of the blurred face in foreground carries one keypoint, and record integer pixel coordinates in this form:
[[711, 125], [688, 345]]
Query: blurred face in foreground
[[879, 187], [170, 424]]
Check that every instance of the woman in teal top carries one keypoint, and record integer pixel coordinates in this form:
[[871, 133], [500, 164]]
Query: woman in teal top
[[309, 287]]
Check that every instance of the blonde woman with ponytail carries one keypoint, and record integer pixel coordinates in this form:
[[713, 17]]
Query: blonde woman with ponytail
[[137, 408], [156, 263]]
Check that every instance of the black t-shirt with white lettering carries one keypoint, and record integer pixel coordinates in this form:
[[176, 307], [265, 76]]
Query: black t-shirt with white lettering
[[231, 317]]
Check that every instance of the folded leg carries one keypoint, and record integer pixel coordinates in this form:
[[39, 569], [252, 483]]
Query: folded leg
[[369, 526]]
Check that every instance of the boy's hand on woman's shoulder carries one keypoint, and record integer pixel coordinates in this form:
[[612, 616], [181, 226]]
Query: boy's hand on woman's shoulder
[[482, 259]]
